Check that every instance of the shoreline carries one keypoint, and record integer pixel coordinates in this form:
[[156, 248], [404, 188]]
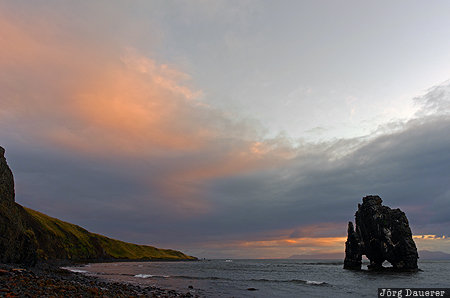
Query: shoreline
[[46, 279], [85, 262]]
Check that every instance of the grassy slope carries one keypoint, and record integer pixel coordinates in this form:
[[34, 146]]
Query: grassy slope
[[57, 239]]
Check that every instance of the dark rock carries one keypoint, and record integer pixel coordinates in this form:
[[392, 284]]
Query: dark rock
[[4, 272], [6, 180], [44, 280], [17, 243], [352, 249], [252, 289], [382, 234]]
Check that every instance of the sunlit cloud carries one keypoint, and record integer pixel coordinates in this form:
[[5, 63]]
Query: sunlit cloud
[[123, 104], [331, 247], [328, 242], [90, 120], [433, 242], [308, 247]]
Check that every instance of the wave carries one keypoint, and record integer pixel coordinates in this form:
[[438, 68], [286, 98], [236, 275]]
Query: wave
[[75, 270], [313, 282], [323, 263], [143, 275], [307, 282], [148, 275], [201, 277]]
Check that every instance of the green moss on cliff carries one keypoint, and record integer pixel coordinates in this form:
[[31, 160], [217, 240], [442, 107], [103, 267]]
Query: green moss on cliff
[[61, 240], [27, 235]]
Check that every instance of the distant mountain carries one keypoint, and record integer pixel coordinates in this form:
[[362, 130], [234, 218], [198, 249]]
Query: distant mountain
[[423, 255], [433, 255], [324, 256], [28, 236]]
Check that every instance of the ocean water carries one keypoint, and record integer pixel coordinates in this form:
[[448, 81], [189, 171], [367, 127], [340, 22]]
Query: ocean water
[[270, 278]]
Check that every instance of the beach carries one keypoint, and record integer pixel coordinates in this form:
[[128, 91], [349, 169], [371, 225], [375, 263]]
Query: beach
[[48, 280]]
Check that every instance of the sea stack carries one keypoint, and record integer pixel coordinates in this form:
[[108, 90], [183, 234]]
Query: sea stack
[[381, 234]]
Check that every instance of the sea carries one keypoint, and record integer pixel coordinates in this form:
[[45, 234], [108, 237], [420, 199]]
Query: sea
[[268, 278]]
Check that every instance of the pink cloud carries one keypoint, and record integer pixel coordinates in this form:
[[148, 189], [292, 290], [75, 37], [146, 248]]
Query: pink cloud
[[64, 90]]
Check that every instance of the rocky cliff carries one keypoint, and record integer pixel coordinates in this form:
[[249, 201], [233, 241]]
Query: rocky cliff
[[382, 234], [28, 236], [6, 180], [17, 243]]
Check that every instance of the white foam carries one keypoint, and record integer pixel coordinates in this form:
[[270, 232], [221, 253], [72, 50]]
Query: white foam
[[313, 282], [75, 270], [143, 275]]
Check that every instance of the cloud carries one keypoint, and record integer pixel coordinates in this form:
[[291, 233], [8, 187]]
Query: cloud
[[118, 105], [435, 102], [328, 247], [117, 140], [279, 248], [129, 102]]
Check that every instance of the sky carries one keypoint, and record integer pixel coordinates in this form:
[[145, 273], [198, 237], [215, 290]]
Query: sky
[[228, 129]]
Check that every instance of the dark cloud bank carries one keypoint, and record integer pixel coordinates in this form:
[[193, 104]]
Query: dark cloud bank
[[409, 167]]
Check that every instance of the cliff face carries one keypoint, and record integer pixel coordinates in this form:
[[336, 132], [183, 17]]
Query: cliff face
[[17, 243], [382, 234], [6, 180], [27, 236]]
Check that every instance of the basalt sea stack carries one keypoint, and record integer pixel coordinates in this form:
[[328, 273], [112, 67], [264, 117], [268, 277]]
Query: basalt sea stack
[[382, 234]]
